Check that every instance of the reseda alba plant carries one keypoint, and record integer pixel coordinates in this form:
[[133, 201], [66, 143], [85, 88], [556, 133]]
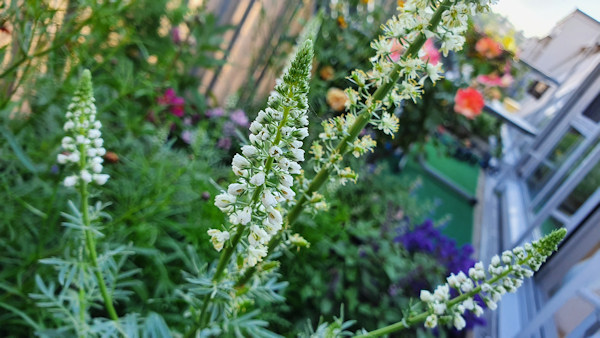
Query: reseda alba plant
[[271, 191]]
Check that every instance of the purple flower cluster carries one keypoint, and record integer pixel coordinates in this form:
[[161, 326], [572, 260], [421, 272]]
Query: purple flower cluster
[[237, 119], [427, 238]]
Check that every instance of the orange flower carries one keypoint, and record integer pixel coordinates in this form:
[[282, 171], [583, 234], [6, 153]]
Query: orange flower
[[488, 47], [327, 73], [336, 99], [468, 102], [342, 22]]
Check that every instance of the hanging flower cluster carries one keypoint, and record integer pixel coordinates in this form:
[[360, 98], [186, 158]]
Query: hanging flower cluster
[[507, 273], [265, 166], [405, 58], [83, 145]]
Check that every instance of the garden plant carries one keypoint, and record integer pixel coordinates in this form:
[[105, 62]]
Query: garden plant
[[88, 292]]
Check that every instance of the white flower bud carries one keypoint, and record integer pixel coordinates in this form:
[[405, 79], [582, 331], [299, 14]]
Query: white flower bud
[[69, 125], [240, 162], [94, 133], [101, 179], [70, 181], [86, 176], [249, 151], [62, 158]]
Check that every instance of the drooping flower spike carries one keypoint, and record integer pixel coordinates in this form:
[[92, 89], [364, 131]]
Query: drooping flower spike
[[83, 145]]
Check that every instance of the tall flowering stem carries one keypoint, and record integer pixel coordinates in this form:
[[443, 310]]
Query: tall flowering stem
[[83, 149], [507, 274], [264, 172]]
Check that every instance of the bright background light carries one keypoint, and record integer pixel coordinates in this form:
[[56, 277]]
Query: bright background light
[[537, 17]]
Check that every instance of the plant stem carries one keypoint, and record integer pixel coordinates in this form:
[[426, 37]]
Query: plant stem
[[90, 242], [363, 119]]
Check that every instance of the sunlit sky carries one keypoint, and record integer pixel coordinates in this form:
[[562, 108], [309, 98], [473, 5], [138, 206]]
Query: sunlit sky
[[537, 17]]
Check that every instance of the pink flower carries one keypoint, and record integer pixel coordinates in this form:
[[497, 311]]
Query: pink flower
[[215, 112], [468, 102], [493, 80], [396, 50], [432, 54], [175, 103]]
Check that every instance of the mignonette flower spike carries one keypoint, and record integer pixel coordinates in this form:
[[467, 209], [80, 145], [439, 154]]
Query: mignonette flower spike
[[83, 145], [265, 167], [507, 273]]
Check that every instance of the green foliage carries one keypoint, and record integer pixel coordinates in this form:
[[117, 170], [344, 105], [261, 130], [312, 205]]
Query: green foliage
[[352, 259]]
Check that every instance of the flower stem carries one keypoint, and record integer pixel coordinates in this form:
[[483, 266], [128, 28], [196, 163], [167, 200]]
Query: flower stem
[[90, 242]]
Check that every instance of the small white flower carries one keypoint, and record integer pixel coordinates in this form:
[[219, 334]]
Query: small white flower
[[101, 179], [294, 168], [275, 151], [236, 188], [426, 296], [94, 133], [283, 163], [98, 143], [249, 151], [241, 216], [218, 238], [239, 172], [298, 154], [240, 162], [224, 201], [69, 125], [439, 308], [92, 152], [258, 179], [268, 199], [255, 254], [255, 127], [286, 180], [459, 322], [73, 157], [70, 181], [302, 133], [62, 158], [431, 321], [286, 192], [274, 216], [86, 176], [296, 144], [97, 168], [100, 151]]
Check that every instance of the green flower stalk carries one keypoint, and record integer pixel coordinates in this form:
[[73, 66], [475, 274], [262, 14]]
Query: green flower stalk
[[265, 171], [507, 273], [83, 151]]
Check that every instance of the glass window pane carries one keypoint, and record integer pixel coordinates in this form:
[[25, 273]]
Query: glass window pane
[[593, 110], [586, 187], [540, 176]]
